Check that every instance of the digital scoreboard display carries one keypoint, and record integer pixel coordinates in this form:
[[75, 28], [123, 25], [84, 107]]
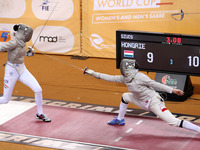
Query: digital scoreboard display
[[160, 52]]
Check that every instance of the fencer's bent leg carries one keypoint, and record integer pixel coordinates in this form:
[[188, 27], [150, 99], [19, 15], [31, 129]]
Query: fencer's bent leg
[[122, 109], [129, 97], [126, 98], [10, 80], [28, 79]]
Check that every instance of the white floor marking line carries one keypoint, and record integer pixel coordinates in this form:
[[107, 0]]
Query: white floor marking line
[[139, 122], [12, 109], [119, 138], [129, 130]]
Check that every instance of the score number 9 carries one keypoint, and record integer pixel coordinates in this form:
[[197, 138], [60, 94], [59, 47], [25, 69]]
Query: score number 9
[[150, 57]]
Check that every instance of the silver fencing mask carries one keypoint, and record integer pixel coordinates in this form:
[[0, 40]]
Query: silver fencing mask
[[128, 70], [24, 31]]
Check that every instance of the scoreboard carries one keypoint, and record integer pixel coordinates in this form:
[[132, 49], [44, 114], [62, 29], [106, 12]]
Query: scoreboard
[[160, 52]]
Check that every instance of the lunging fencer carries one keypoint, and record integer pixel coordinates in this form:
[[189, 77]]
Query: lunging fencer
[[16, 70], [142, 93]]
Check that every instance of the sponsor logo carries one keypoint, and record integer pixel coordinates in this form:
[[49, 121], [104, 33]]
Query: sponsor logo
[[44, 6], [168, 81], [53, 39], [47, 142], [128, 53], [124, 4], [62, 10], [5, 36], [97, 41], [48, 39]]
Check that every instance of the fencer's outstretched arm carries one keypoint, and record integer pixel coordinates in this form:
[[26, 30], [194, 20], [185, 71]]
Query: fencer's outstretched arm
[[106, 77], [159, 86]]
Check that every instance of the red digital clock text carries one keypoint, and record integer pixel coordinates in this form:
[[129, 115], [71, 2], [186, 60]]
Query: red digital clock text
[[173, 40]]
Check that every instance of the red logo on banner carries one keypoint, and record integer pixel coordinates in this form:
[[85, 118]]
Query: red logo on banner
[[164, 79]]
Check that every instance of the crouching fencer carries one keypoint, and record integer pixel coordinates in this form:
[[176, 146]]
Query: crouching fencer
[[142, 93], [16, 70]]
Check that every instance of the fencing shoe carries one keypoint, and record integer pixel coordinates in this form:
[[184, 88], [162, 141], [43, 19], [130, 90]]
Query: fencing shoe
[[42, 117], [115, 121]]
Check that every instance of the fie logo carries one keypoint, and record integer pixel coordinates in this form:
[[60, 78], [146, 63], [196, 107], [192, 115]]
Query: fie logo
[[44, 5], [5, 36]]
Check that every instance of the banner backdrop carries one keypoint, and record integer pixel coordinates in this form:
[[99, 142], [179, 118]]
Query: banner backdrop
[[101, 19], [56, 23]]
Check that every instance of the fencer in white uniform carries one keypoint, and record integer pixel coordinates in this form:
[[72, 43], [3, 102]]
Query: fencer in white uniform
[[142, 93], [16, 70]]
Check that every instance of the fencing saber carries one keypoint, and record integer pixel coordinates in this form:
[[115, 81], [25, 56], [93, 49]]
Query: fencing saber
[[181, 14], [63, 61]]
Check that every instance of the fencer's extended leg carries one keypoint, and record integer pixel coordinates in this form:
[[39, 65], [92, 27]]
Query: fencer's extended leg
[[10, 80], [190, 126], [158, 107]]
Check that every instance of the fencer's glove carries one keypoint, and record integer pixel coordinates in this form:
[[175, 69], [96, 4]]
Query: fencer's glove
[[87, 71], [91, 72], [30, 52]]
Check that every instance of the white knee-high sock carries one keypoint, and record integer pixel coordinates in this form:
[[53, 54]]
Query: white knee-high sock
[[38, 99], [191, 126], [122, 110]]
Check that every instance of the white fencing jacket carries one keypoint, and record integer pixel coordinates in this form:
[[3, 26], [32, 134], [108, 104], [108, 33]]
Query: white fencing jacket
[[142, 87], [16, 49]]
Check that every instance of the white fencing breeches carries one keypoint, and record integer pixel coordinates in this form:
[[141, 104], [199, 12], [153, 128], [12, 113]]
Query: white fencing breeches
[[10, 79], [156, 106]]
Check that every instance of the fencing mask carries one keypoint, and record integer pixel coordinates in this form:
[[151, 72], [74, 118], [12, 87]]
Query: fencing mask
[[128, 69], [24, 31]]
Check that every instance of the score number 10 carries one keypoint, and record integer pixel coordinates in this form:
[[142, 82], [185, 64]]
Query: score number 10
[[192, 60]]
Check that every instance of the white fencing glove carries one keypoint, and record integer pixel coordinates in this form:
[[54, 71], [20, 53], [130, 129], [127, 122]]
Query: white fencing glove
[[87, 71], [30, 52], [91, 72]]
